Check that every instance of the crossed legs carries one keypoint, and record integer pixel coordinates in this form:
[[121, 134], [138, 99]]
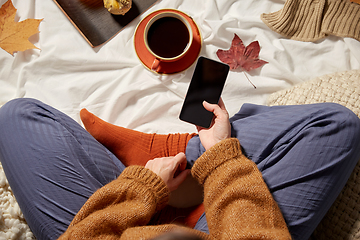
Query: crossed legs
[[305, 153]]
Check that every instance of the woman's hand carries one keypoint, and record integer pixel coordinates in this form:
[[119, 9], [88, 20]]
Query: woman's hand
[[170, 169], [220, 128]]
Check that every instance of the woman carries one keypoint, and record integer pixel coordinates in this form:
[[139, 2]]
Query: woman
[[305, 155]]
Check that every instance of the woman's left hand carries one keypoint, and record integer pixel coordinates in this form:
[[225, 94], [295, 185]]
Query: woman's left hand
[[220, 128]]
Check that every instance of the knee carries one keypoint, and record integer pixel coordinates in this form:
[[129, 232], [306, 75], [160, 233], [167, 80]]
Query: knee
[[345, 122], [17, 108], [342, 115]]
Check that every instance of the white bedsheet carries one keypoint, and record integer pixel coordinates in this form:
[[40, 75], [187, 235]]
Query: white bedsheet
[[111, 82]]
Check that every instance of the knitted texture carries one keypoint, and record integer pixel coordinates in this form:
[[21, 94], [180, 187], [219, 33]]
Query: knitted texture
[[136, 148], [234, 189], [234, 186], [309, 20], [12, 221], [342, 221], [130, 146]]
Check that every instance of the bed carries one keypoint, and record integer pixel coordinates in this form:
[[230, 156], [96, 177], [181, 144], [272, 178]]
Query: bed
[[110, 81]]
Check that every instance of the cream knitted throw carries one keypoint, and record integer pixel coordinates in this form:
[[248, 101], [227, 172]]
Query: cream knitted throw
[[342, 221], [12, 222], [310, 20]]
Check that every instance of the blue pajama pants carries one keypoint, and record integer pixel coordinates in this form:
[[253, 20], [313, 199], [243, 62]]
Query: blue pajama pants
[[306, 153]]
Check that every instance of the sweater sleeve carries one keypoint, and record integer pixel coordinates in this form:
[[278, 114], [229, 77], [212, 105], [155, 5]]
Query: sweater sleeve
[[129, 201], [237, 202]]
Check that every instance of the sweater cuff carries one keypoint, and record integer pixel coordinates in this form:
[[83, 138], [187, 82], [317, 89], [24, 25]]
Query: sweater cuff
[[307, 20], [342, 19], [151, 181], [218, 154], [298, 19]]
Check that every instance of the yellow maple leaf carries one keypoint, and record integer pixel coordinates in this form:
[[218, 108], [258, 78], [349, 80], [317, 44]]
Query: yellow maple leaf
[[14, 35]]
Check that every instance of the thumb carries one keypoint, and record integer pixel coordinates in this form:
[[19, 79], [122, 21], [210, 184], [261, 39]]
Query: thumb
[[218, 110], [214, 108], [208, 106]]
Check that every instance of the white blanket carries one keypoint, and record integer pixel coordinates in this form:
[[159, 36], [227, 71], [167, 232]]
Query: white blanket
[[111, 82]]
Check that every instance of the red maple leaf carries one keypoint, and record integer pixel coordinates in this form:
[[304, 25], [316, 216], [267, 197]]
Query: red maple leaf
[[240, 56]]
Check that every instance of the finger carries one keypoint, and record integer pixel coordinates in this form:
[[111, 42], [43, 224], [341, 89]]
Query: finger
[[214, 108], [180, 159], [149, 164], [183, 166], [208, 106], [178, 164]]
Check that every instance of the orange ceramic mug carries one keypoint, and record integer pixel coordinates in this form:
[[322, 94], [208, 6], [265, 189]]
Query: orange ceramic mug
[[168, 37]]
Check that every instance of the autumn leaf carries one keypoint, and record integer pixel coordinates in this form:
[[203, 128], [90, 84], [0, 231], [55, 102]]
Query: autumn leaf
[[14, 35], [240, 56]]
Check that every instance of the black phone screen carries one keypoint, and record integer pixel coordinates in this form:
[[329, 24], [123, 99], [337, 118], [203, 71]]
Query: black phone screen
[[206, 84]]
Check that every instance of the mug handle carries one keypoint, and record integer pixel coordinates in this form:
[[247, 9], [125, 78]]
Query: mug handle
[[155, 65]]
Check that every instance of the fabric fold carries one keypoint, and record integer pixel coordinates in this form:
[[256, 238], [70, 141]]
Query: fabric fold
[[311, 20]]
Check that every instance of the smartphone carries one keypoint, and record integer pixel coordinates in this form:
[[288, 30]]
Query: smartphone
[[206, 84]]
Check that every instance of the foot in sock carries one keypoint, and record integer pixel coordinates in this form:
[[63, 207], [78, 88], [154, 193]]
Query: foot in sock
[[133, 147]]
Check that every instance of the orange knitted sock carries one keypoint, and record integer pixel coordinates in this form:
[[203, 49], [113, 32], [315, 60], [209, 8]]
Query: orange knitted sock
[[133, 147], [136, 148]]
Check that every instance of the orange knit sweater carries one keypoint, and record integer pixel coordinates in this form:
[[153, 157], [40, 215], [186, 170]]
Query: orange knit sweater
[[237, 202]]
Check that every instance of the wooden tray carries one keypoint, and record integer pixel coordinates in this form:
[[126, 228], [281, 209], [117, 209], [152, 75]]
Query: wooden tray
[[95, 23]]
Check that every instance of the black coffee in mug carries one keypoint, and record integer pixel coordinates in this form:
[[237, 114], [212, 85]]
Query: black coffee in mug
[[168, 37]]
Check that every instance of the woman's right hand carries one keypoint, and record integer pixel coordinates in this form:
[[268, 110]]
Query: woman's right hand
[[220, 128], [172, 170]]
